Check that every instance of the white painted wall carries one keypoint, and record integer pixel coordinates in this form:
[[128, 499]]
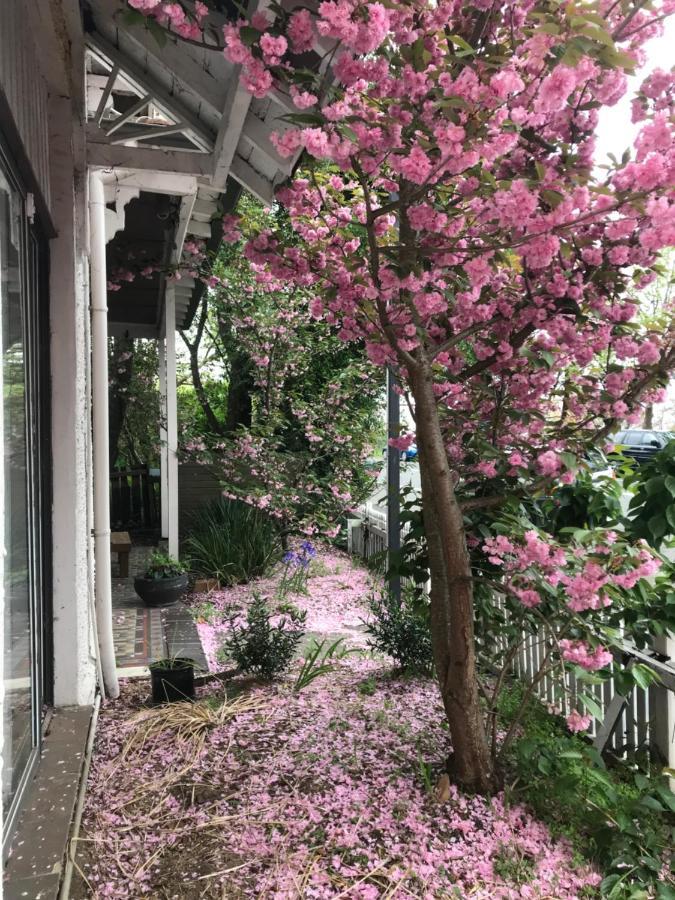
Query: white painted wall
[[74, 652]]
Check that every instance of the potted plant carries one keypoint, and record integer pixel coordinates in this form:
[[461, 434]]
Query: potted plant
[[164, 581], [173, 679]]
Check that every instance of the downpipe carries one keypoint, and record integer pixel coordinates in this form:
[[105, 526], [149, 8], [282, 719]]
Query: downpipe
[[100, 429]]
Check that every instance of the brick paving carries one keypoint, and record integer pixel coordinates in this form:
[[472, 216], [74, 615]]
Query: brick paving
[[141, 633]]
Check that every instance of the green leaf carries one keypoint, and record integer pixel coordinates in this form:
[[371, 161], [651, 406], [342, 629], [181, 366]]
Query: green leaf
[[670, 515], [592, 706], [652, 803], [158, 33], [133, 17], [599, 35], [669, 482], [249, 35], [654, 485], [643, 676], [657, 525], [460, 42], [553, 198]]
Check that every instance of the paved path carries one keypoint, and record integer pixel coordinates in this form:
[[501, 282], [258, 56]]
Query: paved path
[[143, 634]]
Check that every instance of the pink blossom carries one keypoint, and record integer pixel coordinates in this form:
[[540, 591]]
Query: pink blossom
[[548, 463], [578, 722], [581, 654]]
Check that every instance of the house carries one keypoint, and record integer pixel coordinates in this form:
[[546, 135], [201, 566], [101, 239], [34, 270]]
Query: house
[[117, 144]]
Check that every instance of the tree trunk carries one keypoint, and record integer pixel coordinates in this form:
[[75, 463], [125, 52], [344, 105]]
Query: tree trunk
[[239, 390], [452, 613], [649, 417]]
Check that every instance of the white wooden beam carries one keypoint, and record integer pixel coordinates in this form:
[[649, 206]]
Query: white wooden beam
[[107, 90], [200, 229], [234, 114], [158, 132], [201, 71], [258, 134], [253, 181], [153, 182], [101, 154], [163, 450], [171, 419], [144, 82], [186, 207], [133, 110]]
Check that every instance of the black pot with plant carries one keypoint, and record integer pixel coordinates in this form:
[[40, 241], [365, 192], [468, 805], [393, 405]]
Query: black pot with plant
[[173, 679], [164, 582]]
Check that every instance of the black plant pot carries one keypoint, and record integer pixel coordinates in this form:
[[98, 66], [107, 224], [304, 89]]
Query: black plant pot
[[161, 591], [172, 680]]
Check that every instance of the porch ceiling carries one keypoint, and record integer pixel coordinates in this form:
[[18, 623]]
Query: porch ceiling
[[217, 128], [158, 111], [146, 240]]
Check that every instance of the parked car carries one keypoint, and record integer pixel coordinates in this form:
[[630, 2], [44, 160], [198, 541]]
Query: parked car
[[641, 444]]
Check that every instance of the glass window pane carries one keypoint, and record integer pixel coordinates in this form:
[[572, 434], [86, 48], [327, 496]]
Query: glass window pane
[[19, 716]]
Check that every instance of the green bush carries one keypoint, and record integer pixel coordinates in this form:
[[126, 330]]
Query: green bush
[[652, 509], [231, 541], [401, 630], [257, 646], [619, 818], [161, 565]]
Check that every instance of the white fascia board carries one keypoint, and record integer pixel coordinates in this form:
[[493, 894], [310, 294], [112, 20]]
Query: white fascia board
[[103, 155]]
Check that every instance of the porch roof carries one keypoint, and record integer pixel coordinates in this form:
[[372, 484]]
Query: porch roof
[[171, 118]]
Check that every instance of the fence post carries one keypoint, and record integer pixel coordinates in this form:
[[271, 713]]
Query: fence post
[[662, 711]]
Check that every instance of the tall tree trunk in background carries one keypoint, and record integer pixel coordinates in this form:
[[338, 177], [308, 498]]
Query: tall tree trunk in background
[[649, 416], [451, 596], [121, 365], [239, 390]]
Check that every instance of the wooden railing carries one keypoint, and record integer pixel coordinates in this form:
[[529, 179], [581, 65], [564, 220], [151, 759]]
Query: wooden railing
[[134, 499], [642, 721]]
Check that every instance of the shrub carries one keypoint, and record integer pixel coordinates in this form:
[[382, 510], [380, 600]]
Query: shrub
[[620, 818], [231, 542], [401, 630], [161, 565], [259, 647]]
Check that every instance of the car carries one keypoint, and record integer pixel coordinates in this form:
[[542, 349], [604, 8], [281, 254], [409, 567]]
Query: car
[[641, 444]]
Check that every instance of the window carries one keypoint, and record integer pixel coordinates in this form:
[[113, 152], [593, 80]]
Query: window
[[22, 495]]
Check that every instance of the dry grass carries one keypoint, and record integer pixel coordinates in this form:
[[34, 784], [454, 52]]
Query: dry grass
[[189, 721]]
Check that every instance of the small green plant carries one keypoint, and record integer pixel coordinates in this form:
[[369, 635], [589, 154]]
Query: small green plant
[[231, 542], [287, 607], [205, 612], [426, 774], [367, 687], [161, 565], [401, 630], [319, 660], [513, 865], [260, 647]]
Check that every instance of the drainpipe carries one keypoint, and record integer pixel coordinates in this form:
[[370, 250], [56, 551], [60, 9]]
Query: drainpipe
[[99, 390]]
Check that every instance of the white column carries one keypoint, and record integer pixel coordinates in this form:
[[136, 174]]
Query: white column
[[99, 385], [75, 651], [171, 419], [163, 455]]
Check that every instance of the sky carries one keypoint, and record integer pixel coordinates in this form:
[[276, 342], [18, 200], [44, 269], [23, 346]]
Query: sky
[[616, 132]]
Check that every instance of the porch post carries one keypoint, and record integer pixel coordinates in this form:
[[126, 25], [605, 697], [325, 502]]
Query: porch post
[[99, 383], [163, 454], [171, 419]]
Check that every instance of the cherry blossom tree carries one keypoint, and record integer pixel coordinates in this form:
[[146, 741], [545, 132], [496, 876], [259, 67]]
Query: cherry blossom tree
[[311, 401], [456, 224]]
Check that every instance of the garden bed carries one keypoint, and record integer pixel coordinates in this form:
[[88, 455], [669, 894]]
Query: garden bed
[[329, 791]]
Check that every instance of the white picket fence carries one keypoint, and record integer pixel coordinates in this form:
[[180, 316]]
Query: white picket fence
[[643, 721]]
